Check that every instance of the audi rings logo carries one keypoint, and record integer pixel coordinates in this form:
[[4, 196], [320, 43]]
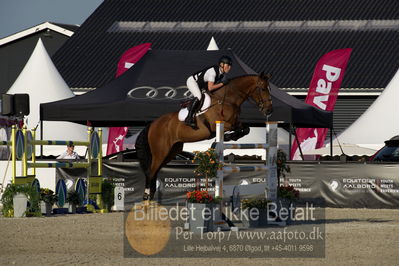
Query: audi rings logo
[[160, 93]]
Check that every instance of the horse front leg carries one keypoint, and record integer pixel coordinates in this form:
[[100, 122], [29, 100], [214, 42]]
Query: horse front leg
[[238, 132]]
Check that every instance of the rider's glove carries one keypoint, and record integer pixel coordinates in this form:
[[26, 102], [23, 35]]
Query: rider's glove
[[225, 81]]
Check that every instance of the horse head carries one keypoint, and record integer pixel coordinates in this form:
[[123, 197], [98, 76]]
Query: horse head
[[261, 94]]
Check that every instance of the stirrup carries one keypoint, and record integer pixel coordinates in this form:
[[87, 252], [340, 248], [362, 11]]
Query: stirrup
[[192, 124]]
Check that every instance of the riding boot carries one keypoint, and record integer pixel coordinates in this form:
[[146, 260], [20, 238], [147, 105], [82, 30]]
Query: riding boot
[[190, 120]]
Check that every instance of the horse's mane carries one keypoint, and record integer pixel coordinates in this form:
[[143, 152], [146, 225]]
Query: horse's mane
[[232, 80], [243, 76]]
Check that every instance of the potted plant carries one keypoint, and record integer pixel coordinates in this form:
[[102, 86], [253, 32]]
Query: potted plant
[[288, 192], [47, 200], [200, 210], [20, 201], [73, 199], [287, 196], [254, 212], [108, 194], [208, 164]]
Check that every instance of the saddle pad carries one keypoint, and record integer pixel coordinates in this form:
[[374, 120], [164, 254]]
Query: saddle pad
[[184, 111]]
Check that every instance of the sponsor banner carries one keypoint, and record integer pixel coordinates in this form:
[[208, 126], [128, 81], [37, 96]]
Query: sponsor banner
[[160, 93], [323, 93], [116, 135], [351, 185], [347, 185]]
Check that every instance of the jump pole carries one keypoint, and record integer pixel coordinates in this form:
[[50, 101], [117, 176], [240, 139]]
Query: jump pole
[[14, 151], [26, 164], [271, 161], [219, 151]]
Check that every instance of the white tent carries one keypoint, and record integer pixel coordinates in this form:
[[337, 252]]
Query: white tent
[[378, 123], [212, 45], [41, 80]]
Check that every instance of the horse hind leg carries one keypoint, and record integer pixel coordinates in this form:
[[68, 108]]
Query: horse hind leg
[[151, 175], [150, 187], [157, 165], [145, 158], [153, 187], [147, 190]]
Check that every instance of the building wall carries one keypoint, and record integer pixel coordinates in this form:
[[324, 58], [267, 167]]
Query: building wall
[[348, 109]]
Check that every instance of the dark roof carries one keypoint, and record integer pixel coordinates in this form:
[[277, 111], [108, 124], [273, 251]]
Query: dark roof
[[89, 58], [244, 10], [289, 56]]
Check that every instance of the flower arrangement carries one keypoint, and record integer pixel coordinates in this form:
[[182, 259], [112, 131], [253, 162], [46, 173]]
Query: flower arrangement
[[200, 197], [208, 164], [288, 192], [48, 196], [282, 167]]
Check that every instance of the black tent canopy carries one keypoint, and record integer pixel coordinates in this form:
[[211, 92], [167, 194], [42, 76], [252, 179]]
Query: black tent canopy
[[156, 85]]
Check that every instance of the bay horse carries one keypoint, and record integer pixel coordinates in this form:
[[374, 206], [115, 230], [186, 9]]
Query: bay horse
[[160, 141]]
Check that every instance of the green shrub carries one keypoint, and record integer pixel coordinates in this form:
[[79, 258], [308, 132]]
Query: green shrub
[[107, 193], [31, 193], [74, 198]]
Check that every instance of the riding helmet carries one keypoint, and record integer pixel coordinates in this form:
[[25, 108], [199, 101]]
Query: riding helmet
[[226, 60]]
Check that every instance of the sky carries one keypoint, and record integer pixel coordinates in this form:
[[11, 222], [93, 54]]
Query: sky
[[18, 15]]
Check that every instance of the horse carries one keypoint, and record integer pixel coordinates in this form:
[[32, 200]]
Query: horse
[[161, 140]]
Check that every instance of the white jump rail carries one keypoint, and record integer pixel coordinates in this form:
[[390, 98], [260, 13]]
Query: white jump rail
[[270, 168]]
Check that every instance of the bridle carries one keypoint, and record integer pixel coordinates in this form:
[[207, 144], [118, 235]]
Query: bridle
[[261, 103]]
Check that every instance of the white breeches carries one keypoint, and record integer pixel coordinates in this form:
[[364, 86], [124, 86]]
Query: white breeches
[[192, 85]]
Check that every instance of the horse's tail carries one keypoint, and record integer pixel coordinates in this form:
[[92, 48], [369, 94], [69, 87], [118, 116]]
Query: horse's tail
[[143, 150]]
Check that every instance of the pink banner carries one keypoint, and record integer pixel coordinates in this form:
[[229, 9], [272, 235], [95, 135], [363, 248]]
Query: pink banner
[[131, 57], [323, 93], [116, 135]]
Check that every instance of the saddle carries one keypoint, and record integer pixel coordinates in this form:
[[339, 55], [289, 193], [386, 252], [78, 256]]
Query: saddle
[[186, 103], [204, 103]]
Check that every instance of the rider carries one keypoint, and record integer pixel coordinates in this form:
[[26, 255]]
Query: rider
[[209, 79]]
